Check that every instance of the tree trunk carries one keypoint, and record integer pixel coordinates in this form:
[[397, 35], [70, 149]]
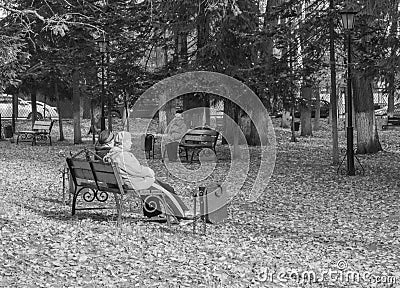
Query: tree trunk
[[166, 114], [392, 89], [15, 111], [162, 115], [170, 109], [202, 30], [165, 48], [317, 115], [76, 106], [192, 101], [293, 139], [34, 108], [60, 121], [236, 149], [392, 71], [270, 21], [333, 97], [285, 121], [252, 137], [367, 135], [87, 105], [92, 121], [125, 115], [82, 105], [305, 111], [109, 95], [229, 111]]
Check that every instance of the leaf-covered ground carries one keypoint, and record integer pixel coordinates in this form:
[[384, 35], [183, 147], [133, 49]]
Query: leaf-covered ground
[[309, 222]]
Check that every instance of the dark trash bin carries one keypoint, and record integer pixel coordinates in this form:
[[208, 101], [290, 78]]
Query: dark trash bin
[[172, 151], [8, 131], [296, 126], [149, 142]]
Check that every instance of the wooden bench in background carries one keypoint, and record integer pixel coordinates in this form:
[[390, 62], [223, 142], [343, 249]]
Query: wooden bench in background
[[198, 139], [392, 121], [40, 131], [97, 179]]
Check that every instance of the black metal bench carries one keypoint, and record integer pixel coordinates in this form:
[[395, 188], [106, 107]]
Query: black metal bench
[[392, 121], [198, 139], [96, 179], [40, 131]]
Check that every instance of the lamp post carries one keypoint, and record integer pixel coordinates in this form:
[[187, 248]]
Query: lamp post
[[103, 43], [348, 25]]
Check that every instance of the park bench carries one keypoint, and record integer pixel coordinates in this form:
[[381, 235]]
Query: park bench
[[97, 179], [41, 130], [197, 139], [392, 121]]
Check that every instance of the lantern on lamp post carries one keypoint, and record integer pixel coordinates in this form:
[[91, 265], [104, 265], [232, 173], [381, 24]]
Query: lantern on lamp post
[[348, 25], [103, 46]]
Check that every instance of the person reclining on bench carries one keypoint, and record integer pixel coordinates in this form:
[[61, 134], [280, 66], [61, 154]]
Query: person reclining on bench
[[140, 177]]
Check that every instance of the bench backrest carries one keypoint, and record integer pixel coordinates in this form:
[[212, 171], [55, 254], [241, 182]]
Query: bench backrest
[[104, 175], [42, 125], [80, 170], [201, 136]]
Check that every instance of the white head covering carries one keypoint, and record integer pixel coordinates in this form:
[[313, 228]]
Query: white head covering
[[123, 139]]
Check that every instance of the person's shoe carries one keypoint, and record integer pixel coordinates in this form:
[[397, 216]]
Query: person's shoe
[[185, 222], [173, 220], [188, 215]]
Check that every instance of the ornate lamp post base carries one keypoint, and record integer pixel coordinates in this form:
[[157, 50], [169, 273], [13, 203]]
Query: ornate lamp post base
[[357, 168]]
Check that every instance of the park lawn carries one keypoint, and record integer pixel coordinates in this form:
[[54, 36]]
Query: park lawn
[[309, 221]]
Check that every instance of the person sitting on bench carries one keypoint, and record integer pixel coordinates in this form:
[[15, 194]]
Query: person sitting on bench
[[140, 177], [175, 132], [105, 143]]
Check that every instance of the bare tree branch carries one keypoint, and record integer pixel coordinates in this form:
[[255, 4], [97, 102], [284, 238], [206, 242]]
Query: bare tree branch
[[24, 11]]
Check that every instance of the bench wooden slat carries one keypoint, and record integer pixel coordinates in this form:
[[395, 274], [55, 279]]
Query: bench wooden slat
[[199, 138], [101, 167], [203, 132], [106, 177], [45, 125], [41, 126], [42, 122], [83, 174], [78, 163], [81, 169]]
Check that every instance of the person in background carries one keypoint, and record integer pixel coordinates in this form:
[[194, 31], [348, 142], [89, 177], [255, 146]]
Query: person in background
[[140, 177], [104, 143], [95, 125], [175, 131]]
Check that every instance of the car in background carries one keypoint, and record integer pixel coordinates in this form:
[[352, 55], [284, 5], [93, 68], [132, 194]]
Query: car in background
[[48, 111], [383, 111], [24, 108]]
